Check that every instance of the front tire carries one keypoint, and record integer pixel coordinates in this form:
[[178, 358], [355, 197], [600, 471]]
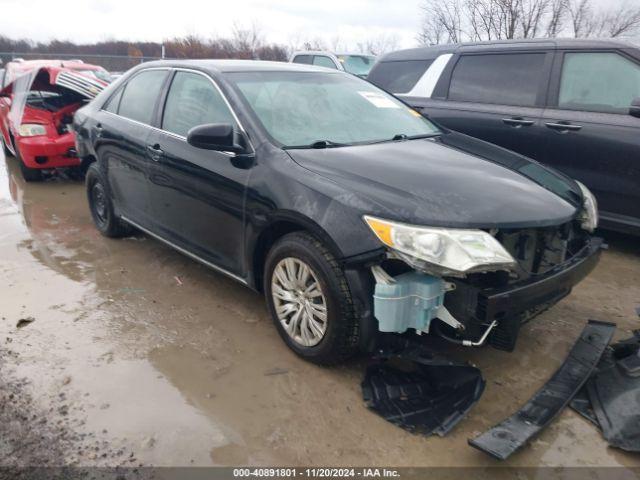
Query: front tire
[[309, 300], [29, 174], [5, 149], [101, 206]]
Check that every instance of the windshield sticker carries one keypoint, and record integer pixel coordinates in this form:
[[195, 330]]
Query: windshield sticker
[[379, 100]]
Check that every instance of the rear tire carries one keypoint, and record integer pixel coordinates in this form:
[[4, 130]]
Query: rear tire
[[303, 284], [101, 206]]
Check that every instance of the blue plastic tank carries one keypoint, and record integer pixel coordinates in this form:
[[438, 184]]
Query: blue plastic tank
[[411, 302]]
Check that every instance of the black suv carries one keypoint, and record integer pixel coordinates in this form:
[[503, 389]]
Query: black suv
[[572, 104], [351, 212]]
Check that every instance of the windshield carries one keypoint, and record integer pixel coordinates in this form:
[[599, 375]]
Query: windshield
[[303, 108], [52, 101], [357, 64]]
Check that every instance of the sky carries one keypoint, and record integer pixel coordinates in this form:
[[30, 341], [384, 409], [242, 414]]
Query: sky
[[287, 22]]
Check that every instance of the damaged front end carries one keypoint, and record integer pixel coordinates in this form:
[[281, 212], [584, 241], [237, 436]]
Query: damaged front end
[[473, 287], [43, 102]]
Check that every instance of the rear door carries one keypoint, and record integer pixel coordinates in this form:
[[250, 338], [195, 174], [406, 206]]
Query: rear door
[[197, 194], [588, 132], [494, 96], [122, 129]]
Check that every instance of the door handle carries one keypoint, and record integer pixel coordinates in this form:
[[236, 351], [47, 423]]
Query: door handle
[[563, 127], [517, 122], [155, 152]]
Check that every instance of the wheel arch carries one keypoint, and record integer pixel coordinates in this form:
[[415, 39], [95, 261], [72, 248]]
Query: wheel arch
[[280, 225], [86, 161]]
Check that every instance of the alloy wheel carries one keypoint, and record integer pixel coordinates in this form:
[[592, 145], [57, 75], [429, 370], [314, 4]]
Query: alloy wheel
[[99, 202], [299, 302]]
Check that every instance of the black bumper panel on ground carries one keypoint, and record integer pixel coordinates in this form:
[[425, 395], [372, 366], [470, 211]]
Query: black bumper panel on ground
[[514, 432], [420, 392], [611, 397]]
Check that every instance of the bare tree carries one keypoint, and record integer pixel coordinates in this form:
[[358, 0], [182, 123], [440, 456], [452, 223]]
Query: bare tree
[[432, 31], [471, 20], [622, 22], [379, 44], [247, 40], [581, 17], [557, 15]]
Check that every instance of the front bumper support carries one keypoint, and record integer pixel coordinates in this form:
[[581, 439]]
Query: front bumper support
[[546, 288], [511, 434], [478, 307]]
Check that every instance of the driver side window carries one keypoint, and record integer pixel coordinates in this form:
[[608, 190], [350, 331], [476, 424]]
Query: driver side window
[[598, 82], [193, 100]]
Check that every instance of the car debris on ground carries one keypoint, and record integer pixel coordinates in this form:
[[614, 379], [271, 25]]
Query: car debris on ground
[[611, 397], [425, 393], [421, 392], [516, 431]]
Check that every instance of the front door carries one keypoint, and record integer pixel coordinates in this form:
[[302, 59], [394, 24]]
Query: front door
[[197, 194], [589, 133]]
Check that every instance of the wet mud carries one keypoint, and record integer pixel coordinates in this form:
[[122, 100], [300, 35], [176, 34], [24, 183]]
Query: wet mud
[[137, 355]]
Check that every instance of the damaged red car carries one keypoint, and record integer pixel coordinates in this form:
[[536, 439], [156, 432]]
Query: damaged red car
[[37, 102]]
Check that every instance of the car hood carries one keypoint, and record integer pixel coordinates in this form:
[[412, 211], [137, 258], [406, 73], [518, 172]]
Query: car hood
[[451, 180]]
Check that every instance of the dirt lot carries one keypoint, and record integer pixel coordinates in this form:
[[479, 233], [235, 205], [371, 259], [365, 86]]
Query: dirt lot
[[138, 355]]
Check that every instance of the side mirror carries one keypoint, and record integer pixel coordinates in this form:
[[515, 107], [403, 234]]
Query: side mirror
[[214, 136], [634, 109]]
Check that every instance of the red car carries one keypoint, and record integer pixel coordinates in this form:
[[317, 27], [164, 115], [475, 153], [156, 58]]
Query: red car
[[37, 102]]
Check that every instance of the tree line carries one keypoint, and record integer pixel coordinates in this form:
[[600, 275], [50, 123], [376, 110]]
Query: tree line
[[454, 21], [245, 42]]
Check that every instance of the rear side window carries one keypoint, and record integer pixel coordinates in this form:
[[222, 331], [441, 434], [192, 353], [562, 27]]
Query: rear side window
[[306, 59], [193, 101], [324, 61], [140, 95], [598, 82], [114, 102], [506, 79], [398, 77]]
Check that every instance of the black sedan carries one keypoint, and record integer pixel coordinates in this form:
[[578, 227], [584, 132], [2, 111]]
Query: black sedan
[[353, 214]]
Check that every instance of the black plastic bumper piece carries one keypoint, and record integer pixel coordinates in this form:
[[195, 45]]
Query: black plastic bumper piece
[[611, 397], [545, 289], [517, 430], [421, 393], [477, 307]]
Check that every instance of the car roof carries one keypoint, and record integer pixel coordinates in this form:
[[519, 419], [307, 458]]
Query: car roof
[[223, 66], [30, 64], [422, 53], [327, 52]]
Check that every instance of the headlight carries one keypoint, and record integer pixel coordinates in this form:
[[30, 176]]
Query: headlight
[[31, 130], [589, 216], [451, 249]]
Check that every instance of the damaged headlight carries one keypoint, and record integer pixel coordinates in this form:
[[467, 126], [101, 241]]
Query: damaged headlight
[[589, 216], [451, 249], [31, 130]]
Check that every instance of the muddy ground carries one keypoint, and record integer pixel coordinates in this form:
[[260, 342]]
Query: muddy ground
[[137, 355]]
